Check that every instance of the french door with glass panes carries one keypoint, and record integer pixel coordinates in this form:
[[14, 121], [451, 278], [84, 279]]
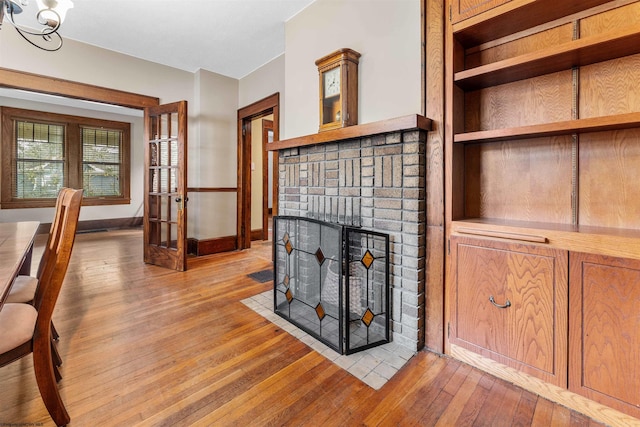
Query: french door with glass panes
[[165, 186]]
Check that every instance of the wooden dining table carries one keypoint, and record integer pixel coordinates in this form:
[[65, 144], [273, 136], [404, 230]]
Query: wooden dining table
[[16, 248]]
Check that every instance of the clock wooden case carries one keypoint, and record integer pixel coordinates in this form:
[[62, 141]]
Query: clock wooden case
[[338, 74]]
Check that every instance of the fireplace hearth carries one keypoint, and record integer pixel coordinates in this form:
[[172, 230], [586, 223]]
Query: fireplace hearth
[[332, 281]]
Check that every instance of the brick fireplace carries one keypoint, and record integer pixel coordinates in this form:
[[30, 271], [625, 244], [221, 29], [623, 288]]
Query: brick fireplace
[[370, 176]]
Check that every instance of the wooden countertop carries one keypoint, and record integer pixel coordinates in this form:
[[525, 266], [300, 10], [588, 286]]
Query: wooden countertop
[[413, 121]]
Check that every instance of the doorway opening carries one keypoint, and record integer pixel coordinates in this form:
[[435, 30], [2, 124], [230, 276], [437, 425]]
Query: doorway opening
[[258, 125]]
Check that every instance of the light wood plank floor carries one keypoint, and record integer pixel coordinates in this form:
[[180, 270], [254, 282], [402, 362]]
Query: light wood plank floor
[[148, 346]]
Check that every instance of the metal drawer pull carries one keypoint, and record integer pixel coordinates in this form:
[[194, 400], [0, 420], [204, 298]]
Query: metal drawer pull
[[493, 301]]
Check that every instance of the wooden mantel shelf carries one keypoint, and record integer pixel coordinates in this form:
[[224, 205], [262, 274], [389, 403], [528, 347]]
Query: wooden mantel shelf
[[413, 121]]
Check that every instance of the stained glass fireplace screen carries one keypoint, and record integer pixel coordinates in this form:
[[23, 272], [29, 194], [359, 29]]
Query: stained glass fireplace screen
[[332, 281]]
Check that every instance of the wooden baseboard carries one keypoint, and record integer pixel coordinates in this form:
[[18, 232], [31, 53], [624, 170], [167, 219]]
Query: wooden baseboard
[[256, 235], [200, 247], [554, 393], [99, 225]]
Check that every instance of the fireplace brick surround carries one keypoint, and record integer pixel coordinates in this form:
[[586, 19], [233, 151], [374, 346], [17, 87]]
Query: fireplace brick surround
[[376, 182]]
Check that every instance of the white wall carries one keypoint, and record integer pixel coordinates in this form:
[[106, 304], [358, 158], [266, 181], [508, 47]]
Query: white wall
[[264, 82], [387, 35], [212, 100], [84, 63], [213, 155]]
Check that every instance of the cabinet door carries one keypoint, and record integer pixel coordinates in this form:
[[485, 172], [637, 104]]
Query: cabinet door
[[463, 9], [604, 347], [509, 303]]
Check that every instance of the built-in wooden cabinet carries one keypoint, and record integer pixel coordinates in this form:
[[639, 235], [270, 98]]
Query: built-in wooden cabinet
[[462, 9], [510, 305], [605, 330], [543, 150]]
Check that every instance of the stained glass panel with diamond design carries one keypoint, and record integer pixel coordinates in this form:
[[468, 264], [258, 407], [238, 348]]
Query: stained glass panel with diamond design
[[367, 317], [367, 259]]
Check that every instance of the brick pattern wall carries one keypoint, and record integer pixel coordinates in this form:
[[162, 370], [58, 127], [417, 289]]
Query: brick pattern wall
[[377, 183]]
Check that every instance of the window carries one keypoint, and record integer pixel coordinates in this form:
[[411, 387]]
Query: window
[[42, 152]]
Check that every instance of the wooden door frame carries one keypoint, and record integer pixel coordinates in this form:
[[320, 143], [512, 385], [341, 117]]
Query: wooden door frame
[[267, 125], [261, 108]]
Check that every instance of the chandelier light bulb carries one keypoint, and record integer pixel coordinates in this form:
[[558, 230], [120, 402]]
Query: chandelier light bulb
[[53, 12]]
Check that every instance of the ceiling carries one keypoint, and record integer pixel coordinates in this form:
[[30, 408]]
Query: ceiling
[[228, 37]]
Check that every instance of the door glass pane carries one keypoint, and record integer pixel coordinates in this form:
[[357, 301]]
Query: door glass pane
[[153, 207], [174, 153], [154, 235], [174, 210], [163, 127], [164, 182], [164, 153], [174, 125], [153, 153], [174, 236], [174, 179], [153, 180], [163, 234]]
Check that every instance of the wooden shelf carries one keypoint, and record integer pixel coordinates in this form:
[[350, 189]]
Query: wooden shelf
[[601, 240], [413, 121], [515, 16], [579, 52], [595, 124]]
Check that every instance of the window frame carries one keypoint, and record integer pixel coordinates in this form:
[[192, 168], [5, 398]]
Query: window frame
[[73, 159]]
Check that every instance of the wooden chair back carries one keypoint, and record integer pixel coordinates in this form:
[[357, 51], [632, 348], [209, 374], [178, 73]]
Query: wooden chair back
[[56, 220], [56, 256]]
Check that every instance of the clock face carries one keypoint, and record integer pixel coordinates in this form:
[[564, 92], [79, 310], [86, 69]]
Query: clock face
[[332, 82]]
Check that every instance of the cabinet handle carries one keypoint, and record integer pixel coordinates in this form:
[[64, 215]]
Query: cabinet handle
[[493, 301]]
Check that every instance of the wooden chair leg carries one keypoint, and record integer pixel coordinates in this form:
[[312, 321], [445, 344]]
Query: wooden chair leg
[[46, 379]]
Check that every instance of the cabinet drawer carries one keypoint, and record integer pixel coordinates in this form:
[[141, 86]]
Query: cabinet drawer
[[509, 303], [604, 348]]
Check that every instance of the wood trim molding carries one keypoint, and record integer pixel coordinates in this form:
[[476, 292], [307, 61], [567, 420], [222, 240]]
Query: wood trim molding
[[216, 245], [99, 225], [257, 108], [212, 189], [433, 42], [261, 108], [413, 121], [54, 86]]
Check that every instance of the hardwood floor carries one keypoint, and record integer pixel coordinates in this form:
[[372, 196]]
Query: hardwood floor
[[147, 346]]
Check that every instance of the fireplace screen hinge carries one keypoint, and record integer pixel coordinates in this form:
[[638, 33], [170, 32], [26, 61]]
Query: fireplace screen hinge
[[450, 13], [448, 246], [448, 330]]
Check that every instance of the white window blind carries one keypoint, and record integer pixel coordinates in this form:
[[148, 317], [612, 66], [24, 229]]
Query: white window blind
[[39, 160], [101, 159]]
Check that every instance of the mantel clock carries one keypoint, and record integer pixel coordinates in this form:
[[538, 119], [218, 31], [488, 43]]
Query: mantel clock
[[338, 73]]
